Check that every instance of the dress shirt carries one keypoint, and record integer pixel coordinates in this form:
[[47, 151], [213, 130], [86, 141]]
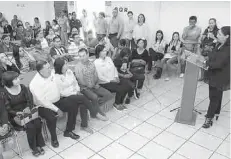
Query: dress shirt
[[86, 74], [116, 26], [140, 31], [106, 70], [67, 84], [101, 26], [45, 91], [128, 27]]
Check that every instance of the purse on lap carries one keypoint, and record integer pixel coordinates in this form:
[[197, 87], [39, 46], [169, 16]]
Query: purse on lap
[[25, 118]]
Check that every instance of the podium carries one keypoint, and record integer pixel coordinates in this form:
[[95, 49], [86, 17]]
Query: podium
[[186, 113]]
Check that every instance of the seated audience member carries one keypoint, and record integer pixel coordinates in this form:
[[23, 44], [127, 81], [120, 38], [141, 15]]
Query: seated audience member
[[59, 51], [68, 86], [47, 28], [50, 37], [36, 26], [1, 30], [77, 43], [47, 95], [7, 28], [27, 42], [157, 52], [138, 61], [103, 40], [109, 78], [28, 30], [5, 45], [20, 23], [41, 38], [13, 35], [55, 26], [122, 45], [18, 100], [91, 42], [19, 32], [87, 77], [121, 62], [14, 22], [173, 53]]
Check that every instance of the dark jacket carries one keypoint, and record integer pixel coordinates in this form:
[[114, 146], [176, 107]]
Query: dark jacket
[[3, 112], [219, 68]]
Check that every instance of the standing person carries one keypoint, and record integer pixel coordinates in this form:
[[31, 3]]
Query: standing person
[[18, 99], [87, 77], [115, 28], [75, 23], [14, 22], [129, 26], [157, 52], [46, 94], [85, 23], [36, 26], [218, 74], [109, 78], [64, 24], [141, 30], [56, 27], [100, 24]]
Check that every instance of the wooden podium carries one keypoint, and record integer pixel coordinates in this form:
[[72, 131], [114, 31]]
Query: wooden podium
[[186, 113]]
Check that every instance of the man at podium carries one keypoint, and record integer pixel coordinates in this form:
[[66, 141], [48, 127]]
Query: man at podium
[[218, 75]]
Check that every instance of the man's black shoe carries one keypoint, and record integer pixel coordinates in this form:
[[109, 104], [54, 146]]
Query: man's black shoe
[[55, 143], [71, 135]]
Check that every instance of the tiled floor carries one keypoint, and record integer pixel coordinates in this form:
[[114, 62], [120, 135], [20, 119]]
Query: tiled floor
[[147, 130]]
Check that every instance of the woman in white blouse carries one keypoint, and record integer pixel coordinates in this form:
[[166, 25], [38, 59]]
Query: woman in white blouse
[[68, 86], [157, 52], [108, 77]]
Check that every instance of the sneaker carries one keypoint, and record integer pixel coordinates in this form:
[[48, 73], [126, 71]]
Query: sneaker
[[87, 129], [41, 150], [101, 117], [136, 94], [127, 101], [118, 106], [166, 79], [181, 75]]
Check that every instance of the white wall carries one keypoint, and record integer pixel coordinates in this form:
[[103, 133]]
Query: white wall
[[27, 10], [170, 16]]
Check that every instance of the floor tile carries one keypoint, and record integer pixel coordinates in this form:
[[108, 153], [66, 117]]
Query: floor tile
[[64, 142], [77, 150], [224, 149], [96, 157], [136, 156], [114, 114], [223, 121], [208, 141], [154, 106], [169, 140], [8, 154], [48, 154], [177, 128], [217, 156], [133, 141], [167, 99], [193, 151], [116, 151], [113, 131], [144, 98], [228, 138], [129, 122], [97, 124], [56, 157], [160, 121], [16, 157], [141, 114], [96, 141], [83, 134], [177, 156], [154, 151], [147, 130], [218, 131], [130, 108]]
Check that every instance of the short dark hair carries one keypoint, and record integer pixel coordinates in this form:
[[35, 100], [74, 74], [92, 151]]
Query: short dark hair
[[40, 65], [8, 77], [55, 21], [56, 37], [122, 42], [83, 50], [36, 18], [193, 18], [130, 12], [58, 65], [100, 37], [98, 49], [4, 36]]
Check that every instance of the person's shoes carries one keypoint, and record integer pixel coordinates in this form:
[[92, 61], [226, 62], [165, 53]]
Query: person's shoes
[[71, 135], [41, 150], [36, 153], [55, 143], [101, 117], [136, 94], [216, 116], [87, 129], [158, 73], [127, 101], [124, 107], [166, 79], [181, 75], [118, 107], [208, 123]]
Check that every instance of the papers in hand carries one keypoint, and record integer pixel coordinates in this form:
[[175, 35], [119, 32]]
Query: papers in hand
[[196, 59], [169, 55]]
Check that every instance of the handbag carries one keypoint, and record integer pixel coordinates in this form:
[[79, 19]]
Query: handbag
[[137, 68], [25, 118]]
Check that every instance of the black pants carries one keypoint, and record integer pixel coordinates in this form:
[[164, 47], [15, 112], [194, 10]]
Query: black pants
[[138, 80], [121, 89], [155, 55], [215, 97], [66, 105], [127, 81]]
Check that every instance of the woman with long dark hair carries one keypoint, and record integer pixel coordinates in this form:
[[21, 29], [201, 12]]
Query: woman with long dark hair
[[218, 74]]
